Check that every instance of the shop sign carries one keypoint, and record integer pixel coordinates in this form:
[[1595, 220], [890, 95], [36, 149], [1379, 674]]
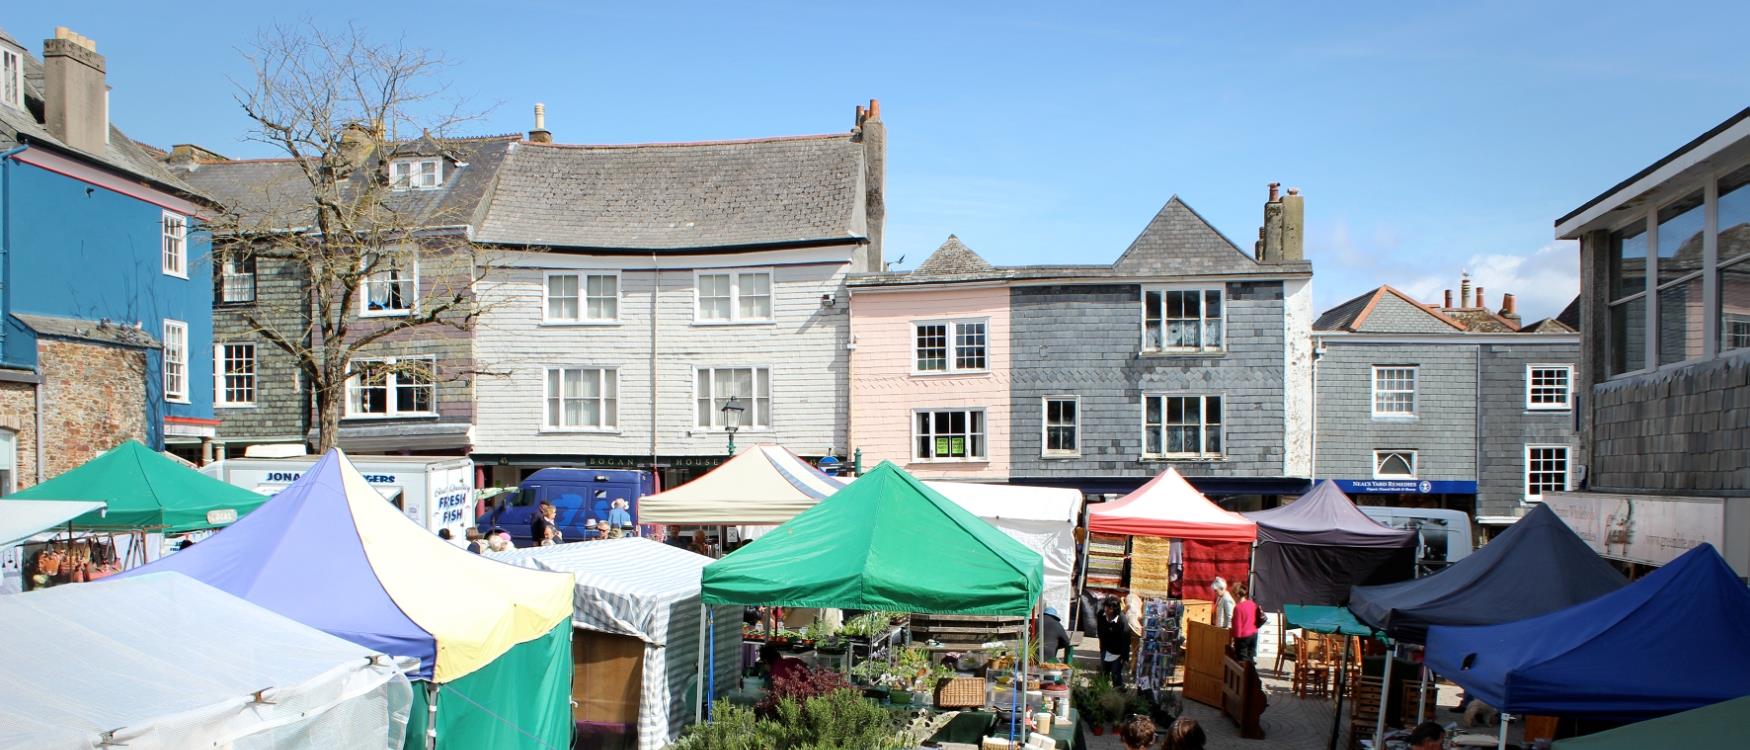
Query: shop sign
[[221, 516], [1648, 530], [1407, 487]]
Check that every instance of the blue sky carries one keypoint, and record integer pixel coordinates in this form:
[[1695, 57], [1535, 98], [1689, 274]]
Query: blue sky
[[1429, 138]]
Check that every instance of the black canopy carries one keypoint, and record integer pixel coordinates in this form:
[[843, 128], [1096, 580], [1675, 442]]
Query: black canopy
[[1537, 566], [1311, 551]]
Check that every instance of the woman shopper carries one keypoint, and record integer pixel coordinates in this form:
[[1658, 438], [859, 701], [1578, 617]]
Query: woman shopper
[[1246, 623], [1137, 733], [1114, 641]]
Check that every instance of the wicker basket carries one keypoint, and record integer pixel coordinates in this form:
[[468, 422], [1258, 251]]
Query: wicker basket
[[960, 692]]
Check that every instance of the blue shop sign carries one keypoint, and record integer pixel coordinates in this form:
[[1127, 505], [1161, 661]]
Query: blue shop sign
[[1407, 487]]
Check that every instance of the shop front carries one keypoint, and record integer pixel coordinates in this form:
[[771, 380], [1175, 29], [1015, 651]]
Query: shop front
[[1447, 494], [1648, 531]]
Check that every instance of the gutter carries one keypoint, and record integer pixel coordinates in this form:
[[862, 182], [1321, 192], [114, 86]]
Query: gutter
[[6, 306]]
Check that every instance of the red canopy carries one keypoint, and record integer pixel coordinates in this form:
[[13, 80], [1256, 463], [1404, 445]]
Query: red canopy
[[1168, 506]]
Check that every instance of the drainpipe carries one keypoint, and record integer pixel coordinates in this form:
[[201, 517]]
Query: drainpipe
[[41, 442], [1477, 458], [851, 379], [655, 291]]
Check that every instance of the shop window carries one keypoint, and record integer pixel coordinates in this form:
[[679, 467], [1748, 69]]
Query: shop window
[[950, 435]]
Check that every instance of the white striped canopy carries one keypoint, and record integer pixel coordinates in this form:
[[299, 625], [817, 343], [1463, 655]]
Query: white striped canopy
[[763, 484]]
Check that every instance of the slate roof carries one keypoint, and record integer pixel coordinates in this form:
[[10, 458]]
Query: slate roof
[[273, 194], [121, 154], [103, 332], [673, 197], [1352, 315], [1176, 242], [952, 259]]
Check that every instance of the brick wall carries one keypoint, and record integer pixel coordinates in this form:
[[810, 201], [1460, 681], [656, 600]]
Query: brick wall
[[95, 398], [18, 415], [1675, 432]]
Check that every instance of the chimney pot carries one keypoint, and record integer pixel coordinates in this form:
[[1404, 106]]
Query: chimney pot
[[540, 134], [1273, 188], [1480, 302], [1509, 306], [1294, 191], [1449, 299], [1464, 291], [874, 109]]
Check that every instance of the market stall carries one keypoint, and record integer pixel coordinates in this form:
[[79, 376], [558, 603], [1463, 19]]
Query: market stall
[[1719, 725], [164, 661], [1311, 551], [636, 596], [492, 640], [763, 484], [885, 542], [1669, 642], [23, 519], [1043, 518], [144, 489], [1537, 566], [1217, 542]]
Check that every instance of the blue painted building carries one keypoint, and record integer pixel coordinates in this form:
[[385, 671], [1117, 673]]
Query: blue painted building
[[106, 284]]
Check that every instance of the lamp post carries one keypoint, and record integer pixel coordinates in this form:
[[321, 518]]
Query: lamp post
[[731, 421]]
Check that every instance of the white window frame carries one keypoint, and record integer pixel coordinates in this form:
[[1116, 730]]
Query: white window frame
[[608, 407], [1045, 449], [751, 407], [391, 385], [1567, 469], [411, 283], [1204, 321], [175, 353], [1567, 393], [222, 375], [173, 244], [970, 458], [413, 178], [1202, 453], [16, 76], [583, 297], [228, 271], [1415, 464], [735, 317], [951, 363], [1374, 391]]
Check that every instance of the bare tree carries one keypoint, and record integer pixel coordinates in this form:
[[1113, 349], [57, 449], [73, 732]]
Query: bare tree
[[375, 259]]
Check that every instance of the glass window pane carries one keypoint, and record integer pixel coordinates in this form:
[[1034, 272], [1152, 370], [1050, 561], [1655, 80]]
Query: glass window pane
[[702, 392], [1212, 410], [1628, 262], [1734, 283], [1680, 321], [1734, 215], [1680, 229], [1153, 409], [1628, 336]]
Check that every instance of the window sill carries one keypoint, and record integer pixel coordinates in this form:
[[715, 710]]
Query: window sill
[[173, 274], [1396, 418], [732, 323], [950, 461], [235, 406], [175, 400], [385, 313], [951, 373], [1180, 353], [234, 303], [1549, 409], [383, 417], [1181, 459], [720, 432], [579, 323], [1060, 456], [579, 431]]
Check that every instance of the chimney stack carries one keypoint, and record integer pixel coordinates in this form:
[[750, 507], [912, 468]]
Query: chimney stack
[[540, 134], [1464, 291], [75, 96], [188, 155], [1510, 308], [1282, 238], [358, 141], [1479, 300], [873, 135], [1448, 299]]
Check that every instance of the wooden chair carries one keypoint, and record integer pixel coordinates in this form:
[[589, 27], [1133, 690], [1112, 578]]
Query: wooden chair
[[1413, 693], [1283, 644], [1364, 710], [1311, 676]]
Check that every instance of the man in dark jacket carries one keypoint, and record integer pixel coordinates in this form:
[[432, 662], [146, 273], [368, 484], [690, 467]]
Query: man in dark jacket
[[1114, 641], [1056, 639]]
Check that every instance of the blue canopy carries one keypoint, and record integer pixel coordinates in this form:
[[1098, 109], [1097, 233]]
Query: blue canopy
[[1672, 641], [1537, 566]]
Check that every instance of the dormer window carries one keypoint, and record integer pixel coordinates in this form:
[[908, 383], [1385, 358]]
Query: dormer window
[[416, 174], [11, 77]]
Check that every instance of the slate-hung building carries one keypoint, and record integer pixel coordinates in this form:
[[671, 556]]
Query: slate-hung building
[[1184, 352], [1448, 405], [1665, 371], [651, 286], [107, 307], [416, 392]]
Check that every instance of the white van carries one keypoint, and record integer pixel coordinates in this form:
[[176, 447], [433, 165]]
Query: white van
[[1445, 535], [436, 492]]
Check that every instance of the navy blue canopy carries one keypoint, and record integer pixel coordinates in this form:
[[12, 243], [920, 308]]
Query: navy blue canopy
[[1311, 551], [1537, 566], [1672, 641]]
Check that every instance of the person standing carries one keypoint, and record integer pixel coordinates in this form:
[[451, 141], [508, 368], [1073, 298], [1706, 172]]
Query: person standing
[[1246, 621], [474, 542], [545, 528], [618, 516], [1223, 615], [1055, 639], [1114, 641]]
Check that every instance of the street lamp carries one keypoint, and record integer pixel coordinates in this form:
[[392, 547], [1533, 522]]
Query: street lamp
[[731, 421]]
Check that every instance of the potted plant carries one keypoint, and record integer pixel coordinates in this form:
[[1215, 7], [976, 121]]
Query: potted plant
[[1113, 706], [1089, 699]]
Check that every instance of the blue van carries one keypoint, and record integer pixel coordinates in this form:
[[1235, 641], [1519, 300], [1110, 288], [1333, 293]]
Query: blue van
[[581, 496]]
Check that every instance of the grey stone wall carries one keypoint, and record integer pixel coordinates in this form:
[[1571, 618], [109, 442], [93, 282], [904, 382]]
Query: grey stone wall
[[280, 410], [1085, 340], [1443, 432], [1677, 432], [1508, 426]]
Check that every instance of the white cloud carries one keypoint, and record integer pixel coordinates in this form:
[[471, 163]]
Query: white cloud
[[1544, 281]]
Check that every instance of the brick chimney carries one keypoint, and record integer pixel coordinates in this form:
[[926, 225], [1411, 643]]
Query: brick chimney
[[873, 135], [1448, 304], [540, 134], [1282, 238], [1510, 308], [75, 96], [1479, 300]]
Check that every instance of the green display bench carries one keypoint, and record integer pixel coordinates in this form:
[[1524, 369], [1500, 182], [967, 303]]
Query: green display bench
[[970, 727]]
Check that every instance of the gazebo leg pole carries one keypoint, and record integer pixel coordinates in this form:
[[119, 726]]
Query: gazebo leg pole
[[1505, 720], [699, 704], [431, 708], [1081, 586], [1422, 699], [711, 658], [1384, 693], [1342, 675]]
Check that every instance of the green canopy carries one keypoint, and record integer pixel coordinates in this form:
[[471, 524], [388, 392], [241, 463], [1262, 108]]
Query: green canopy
[[885, 541], [145, 490], [1319, 618], [1718, 725]]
